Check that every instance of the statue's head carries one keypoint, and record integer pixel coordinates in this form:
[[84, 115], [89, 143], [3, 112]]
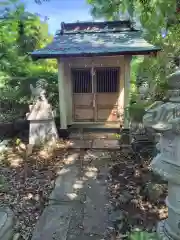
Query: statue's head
[[41, 83]]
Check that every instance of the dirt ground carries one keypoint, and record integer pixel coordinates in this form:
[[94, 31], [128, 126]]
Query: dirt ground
[[137, 192], [26, 182]]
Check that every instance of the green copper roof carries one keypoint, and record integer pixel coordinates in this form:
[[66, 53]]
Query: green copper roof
[[94, 39]]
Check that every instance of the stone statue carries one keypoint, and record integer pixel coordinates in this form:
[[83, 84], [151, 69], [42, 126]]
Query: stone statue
[[41, 116]]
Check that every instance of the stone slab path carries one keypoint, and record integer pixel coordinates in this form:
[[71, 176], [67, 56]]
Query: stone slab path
[[6, 223], [78, 205]]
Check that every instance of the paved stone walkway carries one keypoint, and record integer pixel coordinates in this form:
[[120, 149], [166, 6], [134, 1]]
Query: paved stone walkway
[[78, 205]]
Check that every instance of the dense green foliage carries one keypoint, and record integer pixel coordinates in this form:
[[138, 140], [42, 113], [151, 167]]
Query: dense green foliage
[[22, 32]]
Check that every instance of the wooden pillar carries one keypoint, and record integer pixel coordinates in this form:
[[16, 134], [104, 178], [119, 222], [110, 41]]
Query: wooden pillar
[[127, 86], [62, 97]]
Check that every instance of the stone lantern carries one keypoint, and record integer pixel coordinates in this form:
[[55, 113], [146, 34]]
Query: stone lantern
[[165, 119]]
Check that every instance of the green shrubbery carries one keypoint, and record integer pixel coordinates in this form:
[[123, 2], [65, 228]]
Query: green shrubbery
[[142, 235], [17, 70]]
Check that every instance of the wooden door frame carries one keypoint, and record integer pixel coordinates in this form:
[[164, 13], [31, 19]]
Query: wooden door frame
[[94, 87]]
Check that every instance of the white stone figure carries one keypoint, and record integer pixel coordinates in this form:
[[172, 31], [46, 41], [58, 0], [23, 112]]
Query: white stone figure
[[165, 119], [39, 90], [41, 117]]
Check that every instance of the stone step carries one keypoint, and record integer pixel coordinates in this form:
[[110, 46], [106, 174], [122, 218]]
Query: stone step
[[80, 144], [105, 144], [108, 144], [92, 135]]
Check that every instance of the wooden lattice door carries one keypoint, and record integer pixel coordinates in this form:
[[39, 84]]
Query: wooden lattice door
[[107, 93], [83, 96], [95, 94]]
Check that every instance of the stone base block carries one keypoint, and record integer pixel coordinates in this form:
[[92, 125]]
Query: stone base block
[[42, 131]]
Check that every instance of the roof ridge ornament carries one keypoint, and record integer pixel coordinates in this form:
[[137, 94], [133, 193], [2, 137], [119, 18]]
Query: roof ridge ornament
[[92, 27]]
